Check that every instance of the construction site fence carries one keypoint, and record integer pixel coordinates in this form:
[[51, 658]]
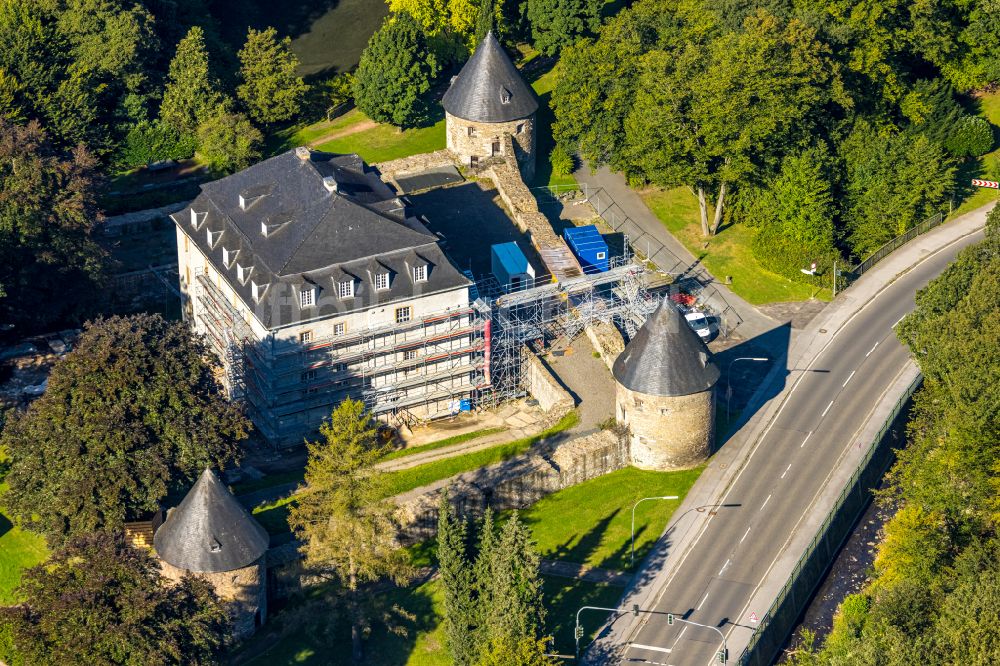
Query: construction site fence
[[780, 620], [685, 274], [859, 269]]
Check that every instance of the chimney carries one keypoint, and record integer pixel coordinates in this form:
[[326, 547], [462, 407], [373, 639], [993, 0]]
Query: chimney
[[303, 153], [330, 183]]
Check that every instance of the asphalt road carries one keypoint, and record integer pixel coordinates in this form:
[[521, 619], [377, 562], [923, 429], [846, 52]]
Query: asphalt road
[[826, 405]]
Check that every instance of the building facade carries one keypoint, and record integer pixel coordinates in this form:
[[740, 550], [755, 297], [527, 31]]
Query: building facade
[[487, 100], [312, 283], [665, 393]]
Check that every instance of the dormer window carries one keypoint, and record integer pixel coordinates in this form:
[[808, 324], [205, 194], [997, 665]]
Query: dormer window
[[420, 273], [381, 281], [273, 223], [197, 218], [504, 96], [243, 273], [213, 237], [345, 289], [229, 256], [257, 291], [252, 195], [307, 297]]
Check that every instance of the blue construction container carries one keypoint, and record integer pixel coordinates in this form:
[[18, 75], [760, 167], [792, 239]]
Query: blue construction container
[[589, 247], [511, 267]]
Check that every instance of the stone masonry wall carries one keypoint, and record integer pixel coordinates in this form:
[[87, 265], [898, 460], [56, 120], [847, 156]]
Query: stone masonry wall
[[607, 340], [543, 385], [667, 433], [413, 164], [483, 136], [243, 591], [516, 483]]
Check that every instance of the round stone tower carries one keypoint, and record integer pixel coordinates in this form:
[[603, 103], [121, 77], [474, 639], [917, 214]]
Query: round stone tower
[[486, 102], [665, 393], [212, 536]]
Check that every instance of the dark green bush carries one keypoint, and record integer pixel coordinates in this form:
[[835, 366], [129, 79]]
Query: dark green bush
[[150, 142], [972, 137]]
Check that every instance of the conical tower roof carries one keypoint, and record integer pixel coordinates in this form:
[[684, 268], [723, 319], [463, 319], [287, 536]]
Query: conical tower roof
[[489, 89], [210, 531], [666, 357]]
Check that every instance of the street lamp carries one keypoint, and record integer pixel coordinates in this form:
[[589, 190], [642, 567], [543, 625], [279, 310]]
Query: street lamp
[[729, 378], [578, 630], [665, 497]]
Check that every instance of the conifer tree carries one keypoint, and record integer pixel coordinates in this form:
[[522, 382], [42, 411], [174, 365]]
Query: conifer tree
[[192, 93], [456, 578], [269, 86]]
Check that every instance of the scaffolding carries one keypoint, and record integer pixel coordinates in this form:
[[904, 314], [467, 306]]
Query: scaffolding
[[432, 366]]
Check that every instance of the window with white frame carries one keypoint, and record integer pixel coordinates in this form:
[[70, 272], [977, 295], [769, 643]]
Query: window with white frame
[[403, 314], [307, 297], [345, 289], [309, 375], [601, 255], [381, 281], [409, 354], [306, 336], [340, 328], [420, 273]]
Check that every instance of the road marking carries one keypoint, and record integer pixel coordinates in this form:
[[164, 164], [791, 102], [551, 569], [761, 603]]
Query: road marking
[[806, 439], [765, 503], [654, 648], [899, 320], [872, 349], [723, 568], [700, 603], [827, 409], [786, 470], [849, 378], [745, 535]]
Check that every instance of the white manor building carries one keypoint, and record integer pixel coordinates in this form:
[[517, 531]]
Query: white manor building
[[311, 282]]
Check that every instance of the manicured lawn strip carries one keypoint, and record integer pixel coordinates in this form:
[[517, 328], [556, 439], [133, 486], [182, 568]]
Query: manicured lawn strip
[[589, 523], [450, 441], [18, 551], [408, 479], [385, 142], [268, 481], [728, 252], [273, 516]]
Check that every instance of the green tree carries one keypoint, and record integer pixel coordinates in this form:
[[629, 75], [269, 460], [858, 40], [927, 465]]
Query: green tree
[[131, 413], [228, 141], [269, 86], [192, 95], [343, 516], [526, 651], [972, 136], [558, 23], [50, 263], [395, 74], [456, 579], [98, 600], [485, 20], [153, 141], [512, 607]]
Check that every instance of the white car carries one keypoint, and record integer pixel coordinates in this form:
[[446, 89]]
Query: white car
[[700, 324]]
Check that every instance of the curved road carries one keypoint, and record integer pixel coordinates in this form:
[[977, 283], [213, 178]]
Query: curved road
[[828, 402]]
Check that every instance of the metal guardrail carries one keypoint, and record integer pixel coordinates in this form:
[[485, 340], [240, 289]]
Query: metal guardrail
[[812, 566], [897, 242]]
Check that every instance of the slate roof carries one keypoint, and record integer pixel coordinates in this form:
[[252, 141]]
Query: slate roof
[[489, 89], [210, 531], [666, 357], [314, 236]]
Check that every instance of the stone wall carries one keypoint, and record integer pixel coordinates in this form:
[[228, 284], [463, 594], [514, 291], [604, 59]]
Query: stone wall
[[543, 385], [607, 340], [414, 164], [468, 139], [243, 591], [516, 483], [667, 433]]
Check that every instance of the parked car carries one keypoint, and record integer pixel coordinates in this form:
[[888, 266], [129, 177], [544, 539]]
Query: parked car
[[700, 324]]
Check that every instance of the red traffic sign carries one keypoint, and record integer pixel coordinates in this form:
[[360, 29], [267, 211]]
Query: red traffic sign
[[986, 183], [753, 617]]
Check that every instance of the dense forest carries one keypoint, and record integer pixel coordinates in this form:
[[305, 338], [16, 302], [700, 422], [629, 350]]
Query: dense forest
[[829, 126], [933, 596]]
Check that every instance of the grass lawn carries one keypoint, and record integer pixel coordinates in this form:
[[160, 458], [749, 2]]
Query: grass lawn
[[590, 522], [543, 86], [18, 551], [423, 641], [985, 167], [440, 444], [728, 252], [385, 142], [274, 516]]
